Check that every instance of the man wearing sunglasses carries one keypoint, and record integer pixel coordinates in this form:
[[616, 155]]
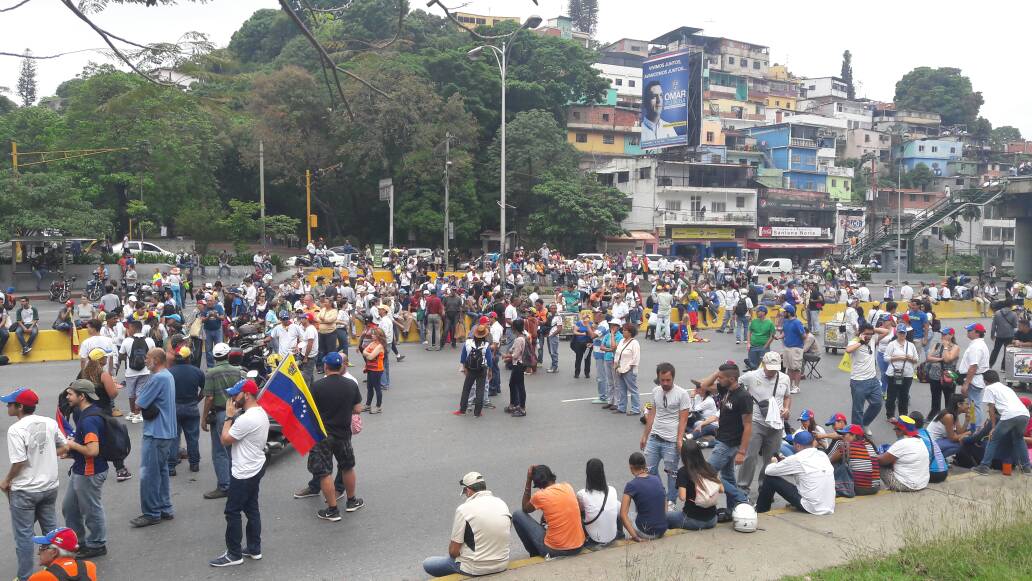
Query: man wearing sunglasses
[[664, 428]]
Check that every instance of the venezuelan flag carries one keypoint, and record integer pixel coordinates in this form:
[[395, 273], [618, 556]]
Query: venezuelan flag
[[286, 398], [63, 425]]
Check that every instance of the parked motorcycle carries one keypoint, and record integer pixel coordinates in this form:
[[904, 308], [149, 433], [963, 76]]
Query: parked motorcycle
[[61, 289]]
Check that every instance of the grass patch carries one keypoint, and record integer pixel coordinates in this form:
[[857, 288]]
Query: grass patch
[[1000, 552]]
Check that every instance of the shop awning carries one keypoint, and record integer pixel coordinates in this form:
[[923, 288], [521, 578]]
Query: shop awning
[[634, 235], [752, 244]]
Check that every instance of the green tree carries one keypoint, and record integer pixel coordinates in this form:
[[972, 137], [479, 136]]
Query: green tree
[[27, 85], [944, 91], [37, 201], [1005, 134], [982, 130], [196, 222], [240, 223], [920, 177], [574, 211], [847, 74], [282, 228], [262, 36]]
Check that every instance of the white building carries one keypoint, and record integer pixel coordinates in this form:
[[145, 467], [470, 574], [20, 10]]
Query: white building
[[624, 79], [858, 114], [816, 87]]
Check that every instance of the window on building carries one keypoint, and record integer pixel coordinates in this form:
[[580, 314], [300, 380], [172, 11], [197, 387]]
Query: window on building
[[795, 158], [834, 183], [636, 48], [606, 179], [959, 182], [1008, 234], [710, 137], [744, 63], [582, 138], [920, 148], [605, 116], [740, 200], [695, 204], [788, 104], [756, 64], [673, 205], [630, 82], [576, 114], [848, 184], [812, 88], [608, 139], [718, 207], [730, 60], [867, 138], [665, 180], [619, 82], [927, 198], [935, 148], [623, 177], [953, 150], [644, 173], [777, 103], [633, 140], [986, 232]]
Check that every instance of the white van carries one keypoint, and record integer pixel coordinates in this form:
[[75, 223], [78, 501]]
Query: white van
[[774, 266]]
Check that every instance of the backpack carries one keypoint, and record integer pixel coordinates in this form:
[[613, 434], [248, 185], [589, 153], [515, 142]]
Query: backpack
[[138, 354], [741, 308], [707, 493], [115, 444], [475, 359], [59, 573]]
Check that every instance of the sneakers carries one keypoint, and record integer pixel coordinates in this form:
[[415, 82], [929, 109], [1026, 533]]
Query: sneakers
[[402, 358], [226, 561], [705, 443], [671, 506], [551, 371], [134, 418], [144, 521], [1026, 469], [794, 390], [252, 556], [305, 492], [738, 342], [91, 552], [458, 413], [376, 410], [354, 504], [330, 514], [121, 475], [219, 493], [981, 469], [599, 400]]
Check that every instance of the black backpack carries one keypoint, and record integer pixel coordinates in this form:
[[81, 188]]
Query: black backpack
[[115, 444], [741, 308], [138, 354], [81, 574], [475, 359]]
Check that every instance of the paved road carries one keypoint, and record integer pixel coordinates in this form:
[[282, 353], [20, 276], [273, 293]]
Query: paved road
[[409, 462]]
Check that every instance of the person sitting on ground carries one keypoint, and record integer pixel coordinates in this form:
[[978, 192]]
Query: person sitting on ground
[[905, 465], [857, 449], [599, 505], [807, 423], [479, 542], [698, 486], [937, 466], [646, 491], [705, 416], [946, 428], [564, 535], [57, 556], [805, 479]]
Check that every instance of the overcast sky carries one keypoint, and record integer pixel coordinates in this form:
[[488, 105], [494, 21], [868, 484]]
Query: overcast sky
[[887, 39]]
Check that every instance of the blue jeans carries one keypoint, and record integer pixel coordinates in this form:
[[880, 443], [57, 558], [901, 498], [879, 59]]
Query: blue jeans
[[210, 339], [678, 520], [756, 354], [1008, 441], [657, 450], [741, 326], [627, 386], [663, 327], [373, 387], [28, 508], [723, 461], [495, 385], [813, 322], [243, 498], [155, 493], [553, 351], [949, 447], [883, 378], [83, 508], [62, 326], [784, 488], [385, 379], [601, 379], [975, 397], [25, 344], [342, 340], [532, 534], [4, 336], [725, 322], [865, 391], [219, 453], [189, 421], [441, 566]]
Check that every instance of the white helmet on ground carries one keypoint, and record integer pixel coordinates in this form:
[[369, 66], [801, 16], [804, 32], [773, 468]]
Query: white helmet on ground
[[744, 518]]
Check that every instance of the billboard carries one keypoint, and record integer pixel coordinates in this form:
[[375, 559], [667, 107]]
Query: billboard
[[671, 103]]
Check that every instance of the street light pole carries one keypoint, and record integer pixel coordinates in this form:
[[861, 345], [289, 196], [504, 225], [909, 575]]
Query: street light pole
[[899, 222], [447, 223]]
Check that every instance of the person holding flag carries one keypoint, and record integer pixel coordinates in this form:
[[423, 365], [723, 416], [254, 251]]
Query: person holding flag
[[245, 431]]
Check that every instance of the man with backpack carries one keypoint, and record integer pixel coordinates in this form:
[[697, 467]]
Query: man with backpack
[[743, 306], [476, 361], [83, 506], [134, 349]]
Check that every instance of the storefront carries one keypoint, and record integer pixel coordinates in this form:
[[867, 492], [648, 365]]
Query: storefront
[[800, 243], [700, 242], [637, 241]]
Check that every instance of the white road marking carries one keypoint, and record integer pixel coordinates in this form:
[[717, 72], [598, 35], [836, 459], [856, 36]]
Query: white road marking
[[643, 395]]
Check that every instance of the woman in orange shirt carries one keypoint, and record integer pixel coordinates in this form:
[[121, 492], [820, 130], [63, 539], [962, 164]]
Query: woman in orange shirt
[[373, 355]]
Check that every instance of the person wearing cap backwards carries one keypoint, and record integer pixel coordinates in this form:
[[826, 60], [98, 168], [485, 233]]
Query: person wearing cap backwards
[[857, 449], [806, 479], [217, 380], [189, 382], [905, 465], [212, 314], [479, 543], [1009, 417], [83, 507], [245, 431], [768, 387], [33, 444], [57, 556], [158, 406], [973, 363]]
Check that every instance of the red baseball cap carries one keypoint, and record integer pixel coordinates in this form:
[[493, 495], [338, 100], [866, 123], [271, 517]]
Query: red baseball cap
[[63, 538], [840, 417], [245, 386], [310, 316], [976, 327], [22, 395], [483, 320], [852, 429]]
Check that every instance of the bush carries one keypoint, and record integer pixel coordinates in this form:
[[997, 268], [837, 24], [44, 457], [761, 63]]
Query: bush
[[141, 258]]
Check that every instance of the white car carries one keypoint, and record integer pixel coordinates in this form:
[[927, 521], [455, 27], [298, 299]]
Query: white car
[[774, 266], [138, 246], [336, 260]]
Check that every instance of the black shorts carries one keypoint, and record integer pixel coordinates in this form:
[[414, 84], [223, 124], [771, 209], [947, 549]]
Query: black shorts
[[320, 457]]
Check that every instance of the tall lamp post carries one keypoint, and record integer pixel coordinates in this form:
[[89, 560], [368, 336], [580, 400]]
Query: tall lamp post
[[501, 55]]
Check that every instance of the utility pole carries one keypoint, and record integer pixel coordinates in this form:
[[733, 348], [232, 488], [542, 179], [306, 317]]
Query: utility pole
[[899, 221], [14, 156], [261, 185], [390, 233], [447, 165], [308, 203]]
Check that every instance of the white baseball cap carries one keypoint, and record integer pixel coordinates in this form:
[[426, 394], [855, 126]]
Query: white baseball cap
[[220, 350]]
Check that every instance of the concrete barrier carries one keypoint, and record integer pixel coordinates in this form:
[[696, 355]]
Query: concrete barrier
[[50, 345]]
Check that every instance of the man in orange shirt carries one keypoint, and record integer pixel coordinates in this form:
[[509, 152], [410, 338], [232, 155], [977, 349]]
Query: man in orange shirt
[[558, 505], [58, 554]]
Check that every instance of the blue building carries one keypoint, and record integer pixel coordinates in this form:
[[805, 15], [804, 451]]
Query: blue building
[[804, 151], [934, 153]]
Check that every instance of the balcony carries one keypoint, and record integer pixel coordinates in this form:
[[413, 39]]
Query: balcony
[[826, 152], [689, 218], [841, 172], [799, 142]]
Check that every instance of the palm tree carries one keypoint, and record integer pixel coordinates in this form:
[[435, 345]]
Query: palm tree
[[970, 214]]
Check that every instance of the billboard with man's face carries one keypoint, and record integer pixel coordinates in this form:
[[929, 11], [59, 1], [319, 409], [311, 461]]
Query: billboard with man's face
[[671, 108]]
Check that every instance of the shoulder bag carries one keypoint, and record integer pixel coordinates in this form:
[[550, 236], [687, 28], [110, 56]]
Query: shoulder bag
[[601, 509], [844, 485]]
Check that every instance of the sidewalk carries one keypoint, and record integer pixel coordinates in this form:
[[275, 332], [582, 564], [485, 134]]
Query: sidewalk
[[789, 542]]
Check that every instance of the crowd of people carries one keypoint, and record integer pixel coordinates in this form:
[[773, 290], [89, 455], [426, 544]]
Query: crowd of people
[[175, 348]]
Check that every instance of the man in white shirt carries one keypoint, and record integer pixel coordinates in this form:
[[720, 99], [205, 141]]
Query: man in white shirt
[[385, 321], [135, 346], [1009, 417], [906, 292], [620, 309], [864, 383], [864, 293], [555, 327], [245, 430], [805, 479], [286, 336], [973, 363], [768, 387], [905, 465], [95, 341], [308, 347], [33, 444], [496, 330], [665, 423], [479, 543], [728, 298]]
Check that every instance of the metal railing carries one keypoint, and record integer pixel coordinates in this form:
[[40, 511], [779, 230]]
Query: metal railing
[[700, 217]]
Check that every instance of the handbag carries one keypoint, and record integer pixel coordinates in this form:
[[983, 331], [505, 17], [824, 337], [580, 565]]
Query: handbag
[[933, 369], [356, 424], [844, 486]]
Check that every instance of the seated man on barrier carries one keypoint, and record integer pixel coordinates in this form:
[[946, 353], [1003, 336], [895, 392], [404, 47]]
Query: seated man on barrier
[[562, 534]]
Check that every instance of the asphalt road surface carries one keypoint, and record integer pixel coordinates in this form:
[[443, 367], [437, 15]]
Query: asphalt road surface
[[410, 460]]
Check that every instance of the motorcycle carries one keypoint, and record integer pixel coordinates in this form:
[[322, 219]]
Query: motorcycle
[[94, 288], [61, 289], [251, 353]]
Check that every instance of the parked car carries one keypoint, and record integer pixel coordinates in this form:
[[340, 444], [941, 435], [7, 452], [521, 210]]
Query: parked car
[[774, 266], [138, 246], [336, 260]]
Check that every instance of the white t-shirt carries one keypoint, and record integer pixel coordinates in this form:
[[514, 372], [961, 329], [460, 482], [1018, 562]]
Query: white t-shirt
[[668, 406], [762, 389], [894, 349], [34, 440], [488, 518], [96, 342], [511, 314], [912, 462], [603, 530], [309, 333], [1005, 401], [977, 353], [496, 332], [127, 349], [864, 366], [814, 477], [286, 338], [116, 333], [251, 430]]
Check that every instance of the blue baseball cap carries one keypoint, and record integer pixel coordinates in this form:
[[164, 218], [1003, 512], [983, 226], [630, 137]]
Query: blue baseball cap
[[902, 328], [244, 385], [22, 395], [334, 360], [761, 309], [803, 438], [806, 416], [63, 538], [788, 308]]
